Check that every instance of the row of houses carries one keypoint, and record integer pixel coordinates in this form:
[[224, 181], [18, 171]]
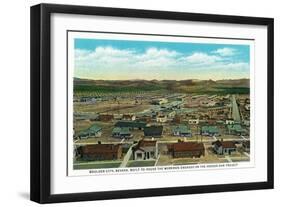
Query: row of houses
[[164, 115], [148, 149], [123, 129], [151, 131]]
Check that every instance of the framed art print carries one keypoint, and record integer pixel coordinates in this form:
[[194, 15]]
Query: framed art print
[[132, 103]]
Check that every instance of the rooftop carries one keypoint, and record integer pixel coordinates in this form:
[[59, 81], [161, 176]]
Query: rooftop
[[187, 146], [225, 144], [101, 148], [210, 129], [121, 130], [153, 130], [182, 128], [235, 127], [92, 129], [137, 124], [146, 143]]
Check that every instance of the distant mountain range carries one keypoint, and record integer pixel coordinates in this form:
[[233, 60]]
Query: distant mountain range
[[179, 86]]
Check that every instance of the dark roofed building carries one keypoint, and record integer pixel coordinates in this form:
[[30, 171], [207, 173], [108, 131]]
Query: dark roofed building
[[121, 132], [187, 149], [153, 131], [93, 131], [131, 124], [101, 152], [236, 129]]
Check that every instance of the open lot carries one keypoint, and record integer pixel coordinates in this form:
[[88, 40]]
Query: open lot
[[118, 107]]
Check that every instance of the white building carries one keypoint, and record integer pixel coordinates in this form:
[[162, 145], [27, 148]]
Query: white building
[[229, 121], [193, 121], [161, 118], [145, 150]]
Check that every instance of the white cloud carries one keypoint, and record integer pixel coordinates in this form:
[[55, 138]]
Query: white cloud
[[152, 60], [225, 51], [156, 58], [108, 57], [81, 53], [155, 53], [202, 58]]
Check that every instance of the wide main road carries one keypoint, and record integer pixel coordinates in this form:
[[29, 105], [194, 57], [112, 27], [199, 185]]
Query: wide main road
[[235, 110]]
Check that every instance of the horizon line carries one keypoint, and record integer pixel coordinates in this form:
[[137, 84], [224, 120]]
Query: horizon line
[[160, 79]]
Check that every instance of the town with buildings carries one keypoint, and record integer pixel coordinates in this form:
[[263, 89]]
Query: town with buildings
[[166, 126]]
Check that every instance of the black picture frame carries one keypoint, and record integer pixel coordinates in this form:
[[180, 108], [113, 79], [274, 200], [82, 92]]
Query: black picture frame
[[41, 96]]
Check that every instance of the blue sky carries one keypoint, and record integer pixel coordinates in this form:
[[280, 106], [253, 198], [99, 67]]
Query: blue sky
[[124, 59]]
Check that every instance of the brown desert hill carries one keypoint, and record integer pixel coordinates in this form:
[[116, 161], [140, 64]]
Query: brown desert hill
[[235, 83], [179, 86]]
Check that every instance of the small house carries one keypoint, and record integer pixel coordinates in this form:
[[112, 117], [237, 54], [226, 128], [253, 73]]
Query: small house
[[209, 131], [182, 131], [87, 99], [161, 118], [153, 131], [101, 152], [187, 149], [236, 129], [93, 131], [229, 121], [121, 132], [131, 124], [145, 149], [129, 117], [224, 147], [105, 117]]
